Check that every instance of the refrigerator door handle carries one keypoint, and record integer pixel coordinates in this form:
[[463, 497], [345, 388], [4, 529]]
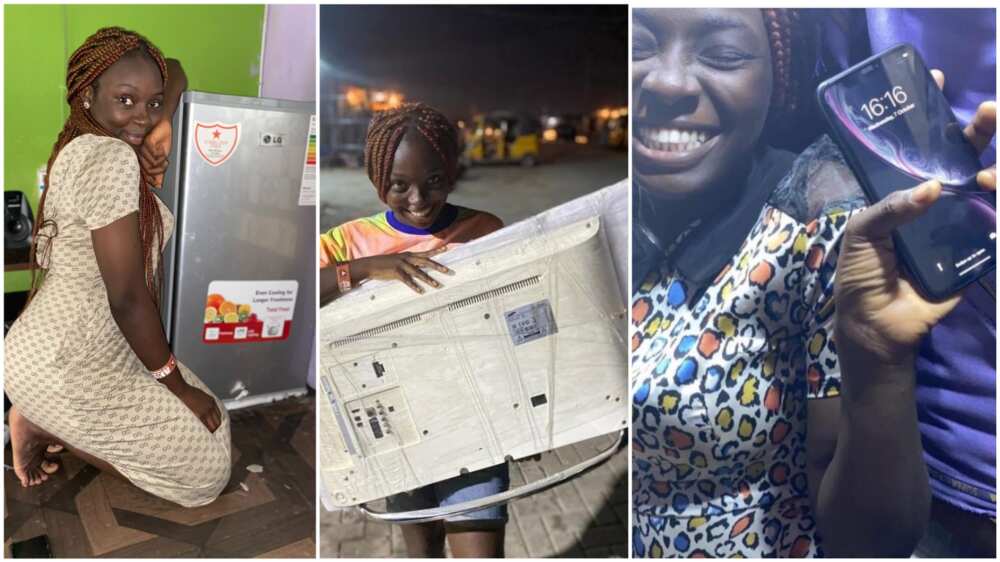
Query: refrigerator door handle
[[438, 513]]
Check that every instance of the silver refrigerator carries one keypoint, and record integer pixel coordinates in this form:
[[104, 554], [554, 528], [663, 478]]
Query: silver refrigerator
[[239, 296]]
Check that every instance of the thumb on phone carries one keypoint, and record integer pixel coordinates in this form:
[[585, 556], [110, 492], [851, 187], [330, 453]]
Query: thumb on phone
[[899, 208]]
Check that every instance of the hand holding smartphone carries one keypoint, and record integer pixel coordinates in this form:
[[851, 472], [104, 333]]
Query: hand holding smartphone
[[896, 130]]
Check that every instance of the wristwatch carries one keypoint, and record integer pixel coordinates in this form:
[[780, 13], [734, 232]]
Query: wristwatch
[[344, 276]]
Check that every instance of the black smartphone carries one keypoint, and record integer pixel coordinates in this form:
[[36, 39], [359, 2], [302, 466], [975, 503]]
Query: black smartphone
[[896, 130]]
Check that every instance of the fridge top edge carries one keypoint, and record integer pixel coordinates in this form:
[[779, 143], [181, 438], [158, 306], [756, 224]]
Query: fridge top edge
[[207, 98]]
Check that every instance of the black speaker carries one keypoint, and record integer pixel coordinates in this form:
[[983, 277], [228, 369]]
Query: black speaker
[[17, 227]]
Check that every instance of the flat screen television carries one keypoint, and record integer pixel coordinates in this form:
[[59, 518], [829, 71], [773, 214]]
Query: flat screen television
[[522, 351]]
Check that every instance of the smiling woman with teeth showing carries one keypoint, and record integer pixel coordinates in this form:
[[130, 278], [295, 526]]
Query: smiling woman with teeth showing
[[411, 154], [754, 434], [701, 86]]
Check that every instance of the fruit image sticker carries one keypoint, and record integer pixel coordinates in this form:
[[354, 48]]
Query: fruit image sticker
[[216, 142], [248, 311]]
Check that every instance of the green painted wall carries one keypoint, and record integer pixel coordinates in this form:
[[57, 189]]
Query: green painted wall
[[219, 47]]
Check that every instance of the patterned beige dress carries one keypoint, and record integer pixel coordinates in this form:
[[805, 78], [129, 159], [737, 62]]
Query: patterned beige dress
[[70, 370]]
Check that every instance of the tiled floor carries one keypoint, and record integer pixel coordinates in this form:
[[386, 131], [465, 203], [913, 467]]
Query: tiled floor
[[269, 514]]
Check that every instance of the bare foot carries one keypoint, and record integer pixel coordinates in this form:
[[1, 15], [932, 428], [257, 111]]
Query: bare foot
[[54, 449], [28, 443]]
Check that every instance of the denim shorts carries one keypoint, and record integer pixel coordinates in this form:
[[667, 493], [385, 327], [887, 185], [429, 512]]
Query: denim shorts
[[466, 487]]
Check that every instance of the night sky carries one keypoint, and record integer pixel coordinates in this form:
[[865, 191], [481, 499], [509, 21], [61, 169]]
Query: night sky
[[465, 59]]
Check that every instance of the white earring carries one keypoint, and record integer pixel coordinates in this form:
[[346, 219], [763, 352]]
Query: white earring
[[86, 104]]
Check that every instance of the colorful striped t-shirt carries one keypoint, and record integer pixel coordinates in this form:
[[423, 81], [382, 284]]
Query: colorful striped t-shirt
[[383, 234]]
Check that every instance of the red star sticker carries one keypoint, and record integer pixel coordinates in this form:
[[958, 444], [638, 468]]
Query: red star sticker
[[216, 134]]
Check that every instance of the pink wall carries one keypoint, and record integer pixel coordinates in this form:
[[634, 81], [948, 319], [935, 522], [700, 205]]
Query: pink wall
[[288, 70]]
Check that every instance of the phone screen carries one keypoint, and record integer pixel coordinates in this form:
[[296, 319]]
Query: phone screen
[[897, 130]]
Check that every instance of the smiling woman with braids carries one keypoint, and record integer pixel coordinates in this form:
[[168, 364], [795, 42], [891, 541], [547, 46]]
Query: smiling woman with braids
[[411, 154], [754, 434], [88, 367]]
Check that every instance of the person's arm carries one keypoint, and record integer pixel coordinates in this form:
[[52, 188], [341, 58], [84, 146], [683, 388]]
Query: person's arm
[[867, 477], [176, 84], [329, 289], [868, 481], [119, 257], [406, 267], [156, 146]]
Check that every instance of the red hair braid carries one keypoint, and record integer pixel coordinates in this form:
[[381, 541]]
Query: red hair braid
[[88, 62], [783, 34], [386, 131]]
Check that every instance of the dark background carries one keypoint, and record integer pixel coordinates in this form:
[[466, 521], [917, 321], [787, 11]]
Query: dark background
[[465, 59]]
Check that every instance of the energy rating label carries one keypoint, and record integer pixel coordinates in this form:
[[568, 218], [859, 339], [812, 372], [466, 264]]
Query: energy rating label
[[249, 311], [307, 191]]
